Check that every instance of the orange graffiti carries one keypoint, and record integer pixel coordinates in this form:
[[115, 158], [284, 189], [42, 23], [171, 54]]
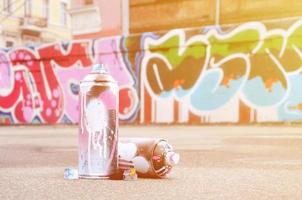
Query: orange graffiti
[[269, 84]]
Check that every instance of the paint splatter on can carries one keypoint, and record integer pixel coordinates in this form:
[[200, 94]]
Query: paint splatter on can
[[150, 157], [98, 124], [129, 174]]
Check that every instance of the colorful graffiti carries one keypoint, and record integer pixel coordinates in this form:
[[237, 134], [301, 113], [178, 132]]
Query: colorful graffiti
[[40, 85], [247, 74], [243, 74]]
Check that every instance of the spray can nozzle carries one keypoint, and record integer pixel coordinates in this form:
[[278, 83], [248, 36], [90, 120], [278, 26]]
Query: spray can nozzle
[[172, 158], [99, 68]]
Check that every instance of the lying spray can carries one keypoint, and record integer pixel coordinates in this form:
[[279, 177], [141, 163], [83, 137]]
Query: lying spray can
[[98, 125], [150, 157]]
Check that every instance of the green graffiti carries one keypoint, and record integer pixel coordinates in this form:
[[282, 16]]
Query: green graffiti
[[242, 42]]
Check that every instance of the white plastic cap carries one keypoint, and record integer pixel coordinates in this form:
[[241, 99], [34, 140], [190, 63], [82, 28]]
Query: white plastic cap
[[99, 68], [172, 158]]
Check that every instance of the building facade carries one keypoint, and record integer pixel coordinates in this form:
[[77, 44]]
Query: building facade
[[29, 22], [97, 18]]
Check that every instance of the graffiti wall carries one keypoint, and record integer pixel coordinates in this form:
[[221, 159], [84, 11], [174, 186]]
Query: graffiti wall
[[248, 73], [41, 85]]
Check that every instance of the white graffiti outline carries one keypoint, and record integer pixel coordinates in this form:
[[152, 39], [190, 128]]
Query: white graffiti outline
[[148, 55], [263, 34]]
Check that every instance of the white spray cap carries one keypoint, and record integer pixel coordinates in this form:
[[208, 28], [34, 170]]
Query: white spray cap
[[99, 68], [172, 158]]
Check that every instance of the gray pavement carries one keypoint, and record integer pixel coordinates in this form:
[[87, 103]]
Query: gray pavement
[[217, 162]]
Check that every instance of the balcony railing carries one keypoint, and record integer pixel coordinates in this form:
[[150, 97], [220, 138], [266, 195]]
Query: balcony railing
[[33, 21]]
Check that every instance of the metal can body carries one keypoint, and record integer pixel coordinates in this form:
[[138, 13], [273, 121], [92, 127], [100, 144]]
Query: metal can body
[[98, 126], [151, 157]]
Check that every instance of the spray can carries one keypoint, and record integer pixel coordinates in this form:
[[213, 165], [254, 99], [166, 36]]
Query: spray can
[[150, 157], [98, 124]]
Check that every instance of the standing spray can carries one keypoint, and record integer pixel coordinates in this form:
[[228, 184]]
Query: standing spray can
[[98, 125], [150, 157]]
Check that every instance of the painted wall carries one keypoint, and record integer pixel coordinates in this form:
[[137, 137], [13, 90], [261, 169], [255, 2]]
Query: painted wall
[[243, 74]]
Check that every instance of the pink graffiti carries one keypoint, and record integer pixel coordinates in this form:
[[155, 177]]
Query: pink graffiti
[[36, 89], [42, 83], [66, 78], [4, 71], [108, 53], [54, 56]]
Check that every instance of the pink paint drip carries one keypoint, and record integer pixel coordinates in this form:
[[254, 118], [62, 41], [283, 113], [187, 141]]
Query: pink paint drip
[[112, 154]]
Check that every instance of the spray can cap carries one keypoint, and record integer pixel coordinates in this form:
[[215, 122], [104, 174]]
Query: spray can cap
[[172, 158], [99, 68], [164, 158]]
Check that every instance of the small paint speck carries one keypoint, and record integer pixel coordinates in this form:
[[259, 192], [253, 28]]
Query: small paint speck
[[18, 76], [55, 93], [30, 63], [53, 103], [48, 112], [21, 55]]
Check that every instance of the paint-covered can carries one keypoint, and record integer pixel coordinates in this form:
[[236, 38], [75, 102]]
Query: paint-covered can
[[98, 124], [151, 157]]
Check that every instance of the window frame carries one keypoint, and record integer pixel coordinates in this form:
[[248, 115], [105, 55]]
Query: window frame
[[45, 9], [63, 13], [28, 8], [7, 6]]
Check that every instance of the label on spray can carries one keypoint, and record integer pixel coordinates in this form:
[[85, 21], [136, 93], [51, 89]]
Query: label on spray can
[[98, 125]]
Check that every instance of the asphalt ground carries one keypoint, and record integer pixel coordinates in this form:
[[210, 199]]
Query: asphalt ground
[[217, 162]]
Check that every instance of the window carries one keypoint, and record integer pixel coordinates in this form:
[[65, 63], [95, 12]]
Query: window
[[63, 13], [9, 44], [27, 7], [30, 40], [7, 6], [87, 2], [45, 9]]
